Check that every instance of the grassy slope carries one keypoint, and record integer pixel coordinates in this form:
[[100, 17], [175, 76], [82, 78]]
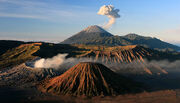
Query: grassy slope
[[24, 52], [8, 44], [18, 55]]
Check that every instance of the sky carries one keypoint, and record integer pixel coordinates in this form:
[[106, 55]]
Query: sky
[[56, 20]]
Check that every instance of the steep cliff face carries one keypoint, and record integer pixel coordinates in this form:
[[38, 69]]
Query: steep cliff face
[[127, 59], [90, 79], [119, 54]]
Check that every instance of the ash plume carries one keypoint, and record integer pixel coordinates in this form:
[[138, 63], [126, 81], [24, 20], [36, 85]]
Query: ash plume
[[110, 12], [53, 62]]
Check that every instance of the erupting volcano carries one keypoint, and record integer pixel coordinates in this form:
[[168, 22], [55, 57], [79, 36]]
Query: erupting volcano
[[90, 79]]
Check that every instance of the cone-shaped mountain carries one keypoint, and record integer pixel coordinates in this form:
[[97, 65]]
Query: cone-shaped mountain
[[90, 79], [95, 35], [88, 34]]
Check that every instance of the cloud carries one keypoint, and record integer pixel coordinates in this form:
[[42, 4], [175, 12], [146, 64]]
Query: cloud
[[31, 36], [171, 35], [110, 12], [23, 2], [169, 66], [36, 10], [173, 31], [22, 16]]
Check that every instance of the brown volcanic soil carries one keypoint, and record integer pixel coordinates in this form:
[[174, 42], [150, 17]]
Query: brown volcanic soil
[[133, 55], [90, 79], [119, 54]]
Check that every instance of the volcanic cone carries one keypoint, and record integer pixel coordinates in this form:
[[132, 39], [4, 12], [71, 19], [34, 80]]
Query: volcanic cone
[[90, 79]]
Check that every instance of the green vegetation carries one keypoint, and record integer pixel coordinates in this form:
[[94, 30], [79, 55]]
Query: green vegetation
[[18, 55]]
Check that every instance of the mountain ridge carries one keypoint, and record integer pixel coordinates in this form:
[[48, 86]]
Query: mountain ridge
[[95, 35]]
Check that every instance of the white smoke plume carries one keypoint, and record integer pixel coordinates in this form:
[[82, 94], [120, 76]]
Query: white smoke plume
[[110, 12], [53, 62], [61, 62], [58, 61]]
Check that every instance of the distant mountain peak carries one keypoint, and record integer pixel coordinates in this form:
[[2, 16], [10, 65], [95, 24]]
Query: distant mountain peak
[[90, 33], [95, 35], [94, 28], [132, 36]]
